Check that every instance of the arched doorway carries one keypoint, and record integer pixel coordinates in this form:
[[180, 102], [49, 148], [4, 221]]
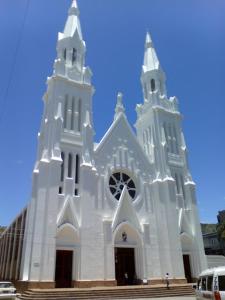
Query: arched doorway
[[125, 266], [128, 254], [67, 242], [186, 243]]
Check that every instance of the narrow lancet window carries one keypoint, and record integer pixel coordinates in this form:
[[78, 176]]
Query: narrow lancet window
[[182, 185], [62, 166], [65, 112], [177, 184], [152, 85], [145, 91], [166, 136], [77, 169], [171, 139], [64, 54], [70, 165], [72, 114], [175, 140], [79, 115], [74, 55]]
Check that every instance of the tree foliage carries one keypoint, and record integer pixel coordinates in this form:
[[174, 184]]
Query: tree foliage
[[221, 231], [208, 228], [2, 228]]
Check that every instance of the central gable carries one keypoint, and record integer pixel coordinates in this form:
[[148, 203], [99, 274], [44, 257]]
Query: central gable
[[120, 144]]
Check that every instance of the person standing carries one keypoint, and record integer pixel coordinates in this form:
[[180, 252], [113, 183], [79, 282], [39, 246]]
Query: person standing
[[167, 280]]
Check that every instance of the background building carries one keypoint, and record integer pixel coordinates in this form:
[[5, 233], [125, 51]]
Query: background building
[[213, 243]]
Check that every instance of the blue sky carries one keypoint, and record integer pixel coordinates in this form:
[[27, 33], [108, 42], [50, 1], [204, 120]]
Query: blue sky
[[189, 37]]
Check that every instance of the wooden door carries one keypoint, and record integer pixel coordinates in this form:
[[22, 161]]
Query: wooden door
[[125, 264], [63, 270], [187, 267]]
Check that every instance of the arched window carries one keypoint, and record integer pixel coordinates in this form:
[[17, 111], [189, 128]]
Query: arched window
[[74, 55], [77, 169], [70, 165], [152, 85], [62, 166], [64, 54]]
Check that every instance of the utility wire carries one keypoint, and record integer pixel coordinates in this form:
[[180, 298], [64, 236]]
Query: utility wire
[[18, 44]]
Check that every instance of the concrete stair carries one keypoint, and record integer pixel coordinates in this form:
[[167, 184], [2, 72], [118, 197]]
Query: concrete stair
[[125, 292]]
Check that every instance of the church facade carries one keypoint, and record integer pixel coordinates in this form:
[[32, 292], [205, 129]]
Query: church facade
[[121, 211]]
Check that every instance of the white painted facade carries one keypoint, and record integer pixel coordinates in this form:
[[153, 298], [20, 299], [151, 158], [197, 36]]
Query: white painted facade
[[76, 206]]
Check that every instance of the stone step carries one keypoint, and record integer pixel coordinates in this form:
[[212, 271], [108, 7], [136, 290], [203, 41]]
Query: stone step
[[108, 293], [83, 295], [111, 297], [115, 289], [111, 292]]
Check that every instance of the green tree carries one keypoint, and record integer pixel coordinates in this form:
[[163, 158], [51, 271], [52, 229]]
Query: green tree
[[2, 228], [221, 231]]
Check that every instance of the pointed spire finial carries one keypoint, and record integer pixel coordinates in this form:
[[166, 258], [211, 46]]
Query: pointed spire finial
[[73, 22], [120, 99], [148, 41], [74, 10], [151, 61], [59, 112], [87, 119], [119, 105], [74, 4]]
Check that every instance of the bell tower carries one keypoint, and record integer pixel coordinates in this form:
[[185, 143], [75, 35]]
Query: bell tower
[[65, 141], [158, 117], [159, 131]]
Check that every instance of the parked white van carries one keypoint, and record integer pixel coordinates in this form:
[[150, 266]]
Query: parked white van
[[211, 284]]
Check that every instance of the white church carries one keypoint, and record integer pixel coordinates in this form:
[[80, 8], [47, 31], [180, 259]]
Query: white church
[[121, 211]]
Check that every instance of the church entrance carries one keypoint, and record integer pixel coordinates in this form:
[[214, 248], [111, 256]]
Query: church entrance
[[125, 266], [187, 267], [63, 269]]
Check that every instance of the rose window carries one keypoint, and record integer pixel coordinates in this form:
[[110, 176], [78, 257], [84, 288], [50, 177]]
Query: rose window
[[117, 181]]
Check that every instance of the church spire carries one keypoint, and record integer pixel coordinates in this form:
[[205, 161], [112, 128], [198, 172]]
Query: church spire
[[151, 61], [71, 49], [153, 77], [73, 22]]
